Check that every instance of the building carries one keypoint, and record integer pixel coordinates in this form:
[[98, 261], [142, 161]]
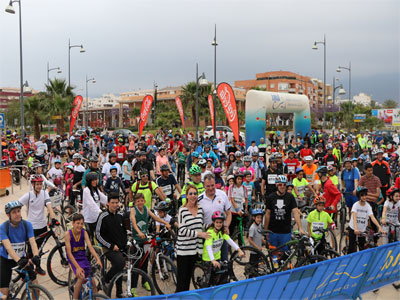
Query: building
[[9, 95], [107, 100], [363, 99], [292, 83]]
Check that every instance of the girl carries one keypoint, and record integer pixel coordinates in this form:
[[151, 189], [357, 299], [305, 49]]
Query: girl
[[140, 219], [219, 182], [212, 245], [189, 241], [390, 213], [91, 200], [300, 184], [209, 166], [103, 157], [231, 159], [75, 240], [230, 180], [161, 159], [69, 177], [55, 174], [247, 166], [53, 157], [237, 194]]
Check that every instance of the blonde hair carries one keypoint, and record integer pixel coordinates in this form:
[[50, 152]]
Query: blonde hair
[[190, 187]]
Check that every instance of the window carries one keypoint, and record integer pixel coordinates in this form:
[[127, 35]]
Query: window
[[272, 85], [283, 86]]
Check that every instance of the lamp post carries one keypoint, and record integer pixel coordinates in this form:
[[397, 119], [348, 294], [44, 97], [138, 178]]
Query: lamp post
[[341, 90], [87, 100], [82, 50], [10, 9], [339, 69], [155, 103], [203, 82], [215, 44], [316, 48], [48, 81]]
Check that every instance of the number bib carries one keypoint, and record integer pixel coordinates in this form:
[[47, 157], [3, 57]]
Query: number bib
[[317, 226], [216, 246], [19, 249], [271, 178], [167, 189]]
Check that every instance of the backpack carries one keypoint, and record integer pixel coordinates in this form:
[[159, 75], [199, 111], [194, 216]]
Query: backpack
[[150, 187], [25, 227]]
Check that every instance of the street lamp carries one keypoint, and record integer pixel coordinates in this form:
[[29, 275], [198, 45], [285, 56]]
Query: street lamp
[[315, 47], [10, 9], [87, 100], [82, 50], [48, 81], [339, 69], [202, 81], [215, 44]]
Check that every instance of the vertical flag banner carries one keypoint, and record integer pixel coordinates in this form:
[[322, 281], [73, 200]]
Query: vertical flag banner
[[227, 97], [75, 110], [144, 112], [180, 109], [211, 106]]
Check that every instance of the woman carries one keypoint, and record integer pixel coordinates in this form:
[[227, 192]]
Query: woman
[[231, 159], [131, 147], [189, 243], [91, 200], [161, 159], [103, 157]]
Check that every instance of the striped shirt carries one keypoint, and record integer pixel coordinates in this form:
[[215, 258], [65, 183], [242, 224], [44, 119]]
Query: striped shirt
[[188, 243]]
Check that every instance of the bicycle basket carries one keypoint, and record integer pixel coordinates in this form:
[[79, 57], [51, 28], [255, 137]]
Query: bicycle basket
[[56, 199]]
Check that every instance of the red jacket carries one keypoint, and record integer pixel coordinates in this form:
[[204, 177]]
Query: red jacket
[[331, 195]]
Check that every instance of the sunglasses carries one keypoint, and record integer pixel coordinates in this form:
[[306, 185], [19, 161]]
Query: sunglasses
[[194, 193], [144, 176], [281, 184]]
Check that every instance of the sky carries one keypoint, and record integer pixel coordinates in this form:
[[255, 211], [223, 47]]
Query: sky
[[132, 44]]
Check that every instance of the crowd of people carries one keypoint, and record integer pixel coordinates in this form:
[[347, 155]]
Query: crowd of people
[[201, 188]]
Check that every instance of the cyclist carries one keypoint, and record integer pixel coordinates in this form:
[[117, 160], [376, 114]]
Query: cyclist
[[168, 184], [210, 154], [360, 213], [250, 188], [268, 182], [182, 160], [320, 153], [203, 166], [79, 170], [390, 213], [382, 170], [15, 234], [291, 164], [300, 184], [332, 175], [350, 178], [143, 163], [127, 174], [259, 169], [36, 201], [195, 173], [93, 167], [278, 217], [219, 181], [256, 239], [247, 167], [329, 191], [310, 172], [55, 174], [237, 164], [112, 162], [237, 194], [114, 183], [161, 160]]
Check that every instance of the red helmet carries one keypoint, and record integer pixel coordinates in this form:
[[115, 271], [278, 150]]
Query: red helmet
[[391, 191], [319, 200], [36, 178]]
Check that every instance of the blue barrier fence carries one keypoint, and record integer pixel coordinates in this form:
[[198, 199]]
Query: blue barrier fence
[[345, 277]]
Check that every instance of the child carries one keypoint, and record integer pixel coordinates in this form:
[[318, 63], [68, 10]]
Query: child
[[171, 160], [31, 158], [300, 184], [318, 219], [251, 191], [332, 175], [209, 166], [212, 246], [230, 181], [390, 213], [219, 182], [237, 194], [360, 213], [75, 240], [256, 239], [114, 183], [55, 174], [69, 177], [162, 212], [289, 187]]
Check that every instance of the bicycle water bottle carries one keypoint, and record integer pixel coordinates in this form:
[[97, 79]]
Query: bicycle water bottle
[[275, 261]]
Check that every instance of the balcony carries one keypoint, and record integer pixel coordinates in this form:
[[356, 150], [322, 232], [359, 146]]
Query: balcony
[[292, 90]]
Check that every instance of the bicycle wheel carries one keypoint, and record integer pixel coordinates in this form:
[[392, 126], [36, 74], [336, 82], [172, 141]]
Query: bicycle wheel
[[329, 253], [200, 276], [126, 288], [331, 239], [71, 283], [343, 217], [36, 292], [96, 296], [60, 229], [68, 212], [253, 264], [165, 276], [344, 244], [57, 265], [309, 260]]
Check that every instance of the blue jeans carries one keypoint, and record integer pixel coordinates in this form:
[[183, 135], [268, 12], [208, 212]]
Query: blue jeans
[[278, 239]]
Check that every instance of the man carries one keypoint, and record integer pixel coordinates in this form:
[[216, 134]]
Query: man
[[262, 147], [147, 188], [329, 191], [350, 178], [278, 217], [36, 201], [195, 174], [120, 150], [111, 233], [197, 147], [144, 163], [93, 167], [234, 147], [41, 149], [212, 200], [168, 183], [15, 235], [112, 161], [237, 164], [252, 148], [259, 168], [210, 154], [268, 184], [382, 171], [291, 164]]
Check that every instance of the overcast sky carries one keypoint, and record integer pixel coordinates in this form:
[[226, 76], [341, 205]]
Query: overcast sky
[[132, 43]]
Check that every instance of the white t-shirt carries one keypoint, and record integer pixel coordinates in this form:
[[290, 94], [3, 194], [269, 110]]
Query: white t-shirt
[[220, 202], [392, 211], [91, 205], [55, 173], [167, 219], [252, 149], [221, 147], [40, 148], [238, 194], [36, 206], [204, 174], [106, 169], [363, 213]]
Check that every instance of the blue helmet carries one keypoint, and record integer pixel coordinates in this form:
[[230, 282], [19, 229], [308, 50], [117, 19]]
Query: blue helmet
[[299, 170], [11, 205], [195, 154], [257, 211], [281, 179], [57, 161], [113, 168]]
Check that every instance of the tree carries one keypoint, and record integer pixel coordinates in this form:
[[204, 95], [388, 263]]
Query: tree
[[389, 103], [35, 108], [189, 100]]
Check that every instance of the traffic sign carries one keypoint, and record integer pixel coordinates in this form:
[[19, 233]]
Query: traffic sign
[[2, 121], [56, 117], [359, 118]]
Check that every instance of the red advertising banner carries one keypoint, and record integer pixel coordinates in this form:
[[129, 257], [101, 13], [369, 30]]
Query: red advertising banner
[[180, 109], [227, 97], [144, 112], [75, 110], [211, 106]]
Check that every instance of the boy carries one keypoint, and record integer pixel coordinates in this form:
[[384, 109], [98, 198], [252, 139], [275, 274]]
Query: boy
[[162, 212], [256, 239], [114, 183], [249, 187]]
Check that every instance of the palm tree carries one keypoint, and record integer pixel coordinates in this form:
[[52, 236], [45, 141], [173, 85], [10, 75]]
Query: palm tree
[[35, 108], [189, 100], [60, 98], [389, 103]]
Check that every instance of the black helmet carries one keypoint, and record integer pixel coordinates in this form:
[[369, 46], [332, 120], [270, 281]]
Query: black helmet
[[162, 206], [322, 170], [94, 159], [90, 177], [164, 168], [112, 154], [142, 172], [361, 191], [130, 155]]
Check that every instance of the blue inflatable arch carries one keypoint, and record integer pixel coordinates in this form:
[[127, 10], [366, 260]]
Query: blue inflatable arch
[[258, 103]]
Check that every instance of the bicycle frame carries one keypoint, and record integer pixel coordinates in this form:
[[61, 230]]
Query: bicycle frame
[[25, 283]]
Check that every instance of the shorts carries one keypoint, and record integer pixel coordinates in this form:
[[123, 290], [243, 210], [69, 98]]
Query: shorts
[[278, 239], [84, 264], [350, 200], [6, 271]]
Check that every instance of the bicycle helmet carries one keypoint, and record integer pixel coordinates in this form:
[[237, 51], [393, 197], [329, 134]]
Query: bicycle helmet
[[57, 161], [272, 159], [361, 191], [11, 205], [31, 152], [231, 153], [247, 158], [113, 168], [143, 172], [290, 151], [70, 167], [354, 159], [55, 151], [299, 169], [162, 206], [323, 170], [246, 173], [207, 146], [130, 156], [238, 174], [218, 215], [329, 147], [289, 183], [112, 154], [90, 177], [257, 211], [238, 154], [347, 159], [308, 158], [278, 155], [230, 177], [94, 159], [217, 170], [281, 179], [319, 200], [254, 153], [76, 156], [378, 151], [36, 178], [329, 168], [194, 170], [202, 162], [164, 168], [390, 192], [195, 154], [120, 140]]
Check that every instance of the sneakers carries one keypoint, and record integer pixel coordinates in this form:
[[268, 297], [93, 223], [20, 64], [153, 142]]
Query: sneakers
[[40, 271], [146, 285], [133, 292]]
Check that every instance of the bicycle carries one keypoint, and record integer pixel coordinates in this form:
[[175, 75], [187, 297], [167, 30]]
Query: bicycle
[[238, 234], [392, 232], [87, 287], [206, 275], [322, 247], [369, 242], [31, 290]]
